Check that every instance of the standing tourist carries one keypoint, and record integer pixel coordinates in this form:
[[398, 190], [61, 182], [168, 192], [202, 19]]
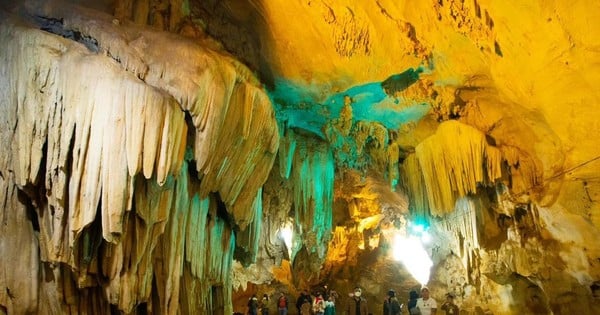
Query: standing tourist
[[282, 304], [391, 306], [330, 306], [426, 304], [319, 305], [264, 305], [357, 304], [253, 305]]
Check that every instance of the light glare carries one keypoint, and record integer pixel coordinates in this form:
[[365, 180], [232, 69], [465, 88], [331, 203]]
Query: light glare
[[411, 253], [425, 237], [418, 228], [286, 233]]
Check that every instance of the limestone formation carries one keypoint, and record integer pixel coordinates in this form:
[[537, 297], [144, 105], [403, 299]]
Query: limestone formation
[[114, 166]]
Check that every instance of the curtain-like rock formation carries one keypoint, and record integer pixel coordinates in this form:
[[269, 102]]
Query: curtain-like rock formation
[[452, 164], [114, 165]]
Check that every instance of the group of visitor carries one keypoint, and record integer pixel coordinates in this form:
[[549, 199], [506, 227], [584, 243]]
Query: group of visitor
[[254, 306], [426, 305], [324, 303]]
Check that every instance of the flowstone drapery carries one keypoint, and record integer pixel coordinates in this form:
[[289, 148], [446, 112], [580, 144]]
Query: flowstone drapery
[[112, 176]]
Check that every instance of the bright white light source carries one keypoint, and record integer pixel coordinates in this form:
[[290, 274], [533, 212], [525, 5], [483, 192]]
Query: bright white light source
[[418, 228], [286, 233], [411, 253], [425, 237]]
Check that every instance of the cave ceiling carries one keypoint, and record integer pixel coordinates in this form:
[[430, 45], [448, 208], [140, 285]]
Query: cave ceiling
[[487, 64]]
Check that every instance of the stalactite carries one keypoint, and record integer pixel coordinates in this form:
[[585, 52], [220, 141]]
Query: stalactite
[[96, 145], [287, 149], [80, 110], [526, 171], [128, 264], [313, 175], [392, 165], [230, 172], [453, 162], [215, 89], [197, 243], [194, 254], [413, 183], [463, 225], [19, 262], [248, 239], [271, 250]]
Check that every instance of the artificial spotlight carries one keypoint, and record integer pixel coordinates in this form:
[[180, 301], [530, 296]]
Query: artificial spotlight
[[286, 232], [411, 253]]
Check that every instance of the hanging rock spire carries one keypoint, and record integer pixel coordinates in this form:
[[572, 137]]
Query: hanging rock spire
[[95, 173]]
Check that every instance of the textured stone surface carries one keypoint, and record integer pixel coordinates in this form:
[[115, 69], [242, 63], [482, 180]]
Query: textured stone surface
[[112, 175]]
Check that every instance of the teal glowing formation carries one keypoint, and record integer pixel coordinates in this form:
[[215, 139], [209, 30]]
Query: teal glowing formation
[[305, 107]]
